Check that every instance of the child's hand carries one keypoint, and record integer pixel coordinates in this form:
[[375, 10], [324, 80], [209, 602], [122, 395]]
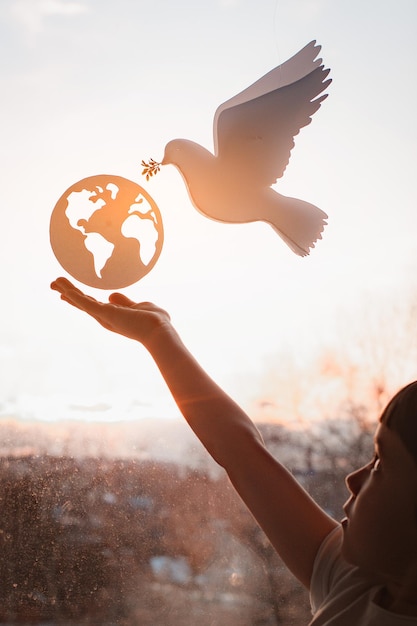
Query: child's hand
[[121, 315]]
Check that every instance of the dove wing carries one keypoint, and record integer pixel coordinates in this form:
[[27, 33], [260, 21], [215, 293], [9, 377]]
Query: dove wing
[[255, 137], [298, 66]]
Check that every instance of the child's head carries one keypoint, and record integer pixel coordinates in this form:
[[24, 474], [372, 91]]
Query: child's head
[[380, 530], [400, 415]]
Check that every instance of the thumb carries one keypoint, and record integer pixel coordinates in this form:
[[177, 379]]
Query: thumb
[[119, 298]]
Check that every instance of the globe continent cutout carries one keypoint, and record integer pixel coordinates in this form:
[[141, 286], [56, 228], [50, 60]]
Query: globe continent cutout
[[106, 231]]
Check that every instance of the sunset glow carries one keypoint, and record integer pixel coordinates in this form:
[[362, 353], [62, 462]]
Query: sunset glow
[[86, 92]]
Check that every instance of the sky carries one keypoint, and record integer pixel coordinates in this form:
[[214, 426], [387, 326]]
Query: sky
[[93, 87]]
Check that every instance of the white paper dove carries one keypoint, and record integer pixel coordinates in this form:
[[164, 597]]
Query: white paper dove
[[253, 137]]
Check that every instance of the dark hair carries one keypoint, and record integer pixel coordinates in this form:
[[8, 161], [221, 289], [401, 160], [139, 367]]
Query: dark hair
[[400, 415]]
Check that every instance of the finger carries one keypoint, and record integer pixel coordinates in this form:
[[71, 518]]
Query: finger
[[83, 302], [99, 315], [68, 297], [75, 297], [120, 299], [71, 294], [62, 284]]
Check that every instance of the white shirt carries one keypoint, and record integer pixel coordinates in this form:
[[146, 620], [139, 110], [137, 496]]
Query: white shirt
[[341, 595]]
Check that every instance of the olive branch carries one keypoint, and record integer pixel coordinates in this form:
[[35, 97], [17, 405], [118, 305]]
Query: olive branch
[[150, 168]]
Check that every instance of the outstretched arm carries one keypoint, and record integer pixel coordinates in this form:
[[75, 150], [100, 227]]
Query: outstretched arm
[[293, 522]]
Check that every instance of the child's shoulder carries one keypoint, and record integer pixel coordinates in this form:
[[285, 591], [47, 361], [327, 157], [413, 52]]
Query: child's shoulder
[[342, 594]]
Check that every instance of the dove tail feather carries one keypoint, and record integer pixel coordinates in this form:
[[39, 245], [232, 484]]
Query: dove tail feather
[[290, 243], [298, 223]]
